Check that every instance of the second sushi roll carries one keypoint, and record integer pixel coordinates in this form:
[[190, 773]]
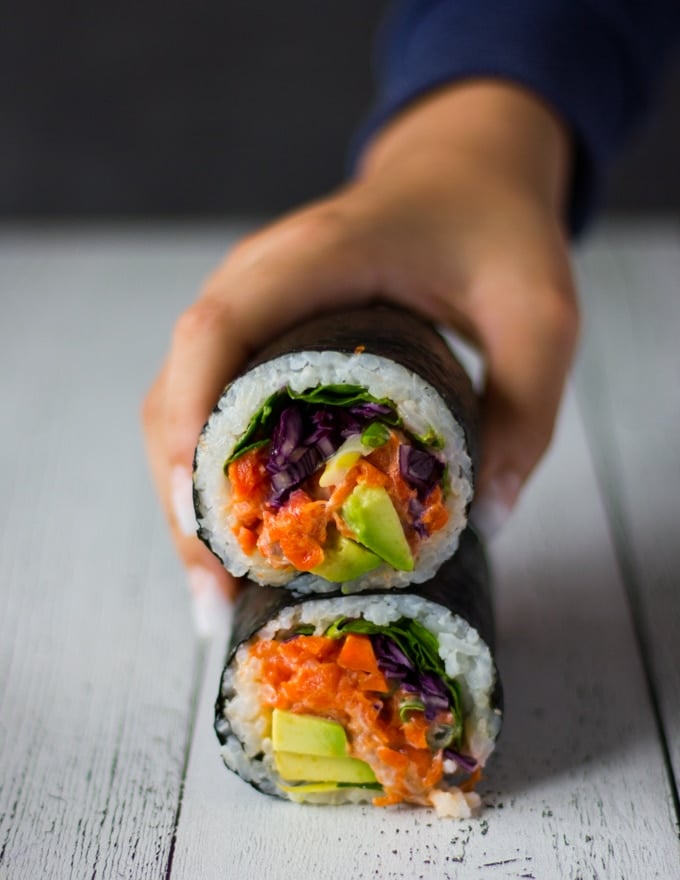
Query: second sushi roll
[[383, 697], [343, 457]]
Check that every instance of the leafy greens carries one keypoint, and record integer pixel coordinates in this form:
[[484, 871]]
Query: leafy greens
[[419, 645], [261, 425]]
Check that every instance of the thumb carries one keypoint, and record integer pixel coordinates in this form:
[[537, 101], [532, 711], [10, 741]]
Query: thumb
[[527, 366]]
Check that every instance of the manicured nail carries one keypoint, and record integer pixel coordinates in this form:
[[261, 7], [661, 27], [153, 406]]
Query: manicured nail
[[491, 510], [182, 500], [210, 607]]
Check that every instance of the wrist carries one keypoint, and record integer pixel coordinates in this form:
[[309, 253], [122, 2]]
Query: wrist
[[478, 127]]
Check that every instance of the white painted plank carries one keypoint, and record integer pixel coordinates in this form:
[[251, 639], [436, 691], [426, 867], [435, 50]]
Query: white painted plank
[[629, 384], [578, 787], [97, 653]]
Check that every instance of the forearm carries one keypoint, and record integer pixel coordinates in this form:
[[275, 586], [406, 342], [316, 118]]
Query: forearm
[[474, 124], [597, 63]]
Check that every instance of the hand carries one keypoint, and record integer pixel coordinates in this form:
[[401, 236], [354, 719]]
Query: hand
[[457, 213]]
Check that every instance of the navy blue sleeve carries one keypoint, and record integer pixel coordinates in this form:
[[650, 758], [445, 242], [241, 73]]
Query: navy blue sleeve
[[596, 62]]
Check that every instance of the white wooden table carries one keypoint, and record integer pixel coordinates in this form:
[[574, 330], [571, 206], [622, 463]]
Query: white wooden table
[[108, 763]]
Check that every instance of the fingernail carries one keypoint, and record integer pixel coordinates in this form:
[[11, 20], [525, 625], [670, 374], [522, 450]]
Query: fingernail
[[491, 510], [182, 500], [211, 609]]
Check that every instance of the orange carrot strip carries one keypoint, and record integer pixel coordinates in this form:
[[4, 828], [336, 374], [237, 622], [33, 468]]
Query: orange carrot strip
[[373, 681], [357, 653], [436, 515], [415, 730]]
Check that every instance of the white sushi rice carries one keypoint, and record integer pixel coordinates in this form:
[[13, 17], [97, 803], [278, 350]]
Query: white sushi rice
[[247, 725], [419, 405]]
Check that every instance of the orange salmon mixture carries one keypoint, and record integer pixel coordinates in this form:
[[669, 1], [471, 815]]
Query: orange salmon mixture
[[340, 680], [296, 533]]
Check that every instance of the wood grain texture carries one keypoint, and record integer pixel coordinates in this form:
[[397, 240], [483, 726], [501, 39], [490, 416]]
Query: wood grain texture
[[629, 391], [97, 652], [100, 671], [578, 787]]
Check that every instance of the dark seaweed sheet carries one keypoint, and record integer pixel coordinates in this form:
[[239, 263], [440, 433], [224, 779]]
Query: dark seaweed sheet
[[462, 586]]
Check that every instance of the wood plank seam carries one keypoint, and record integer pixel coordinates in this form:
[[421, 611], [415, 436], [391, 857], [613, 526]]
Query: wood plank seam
[[196, 688], [608, 471]]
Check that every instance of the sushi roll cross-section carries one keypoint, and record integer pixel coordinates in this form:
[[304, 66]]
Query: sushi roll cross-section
[[340, 457], [382, 697]]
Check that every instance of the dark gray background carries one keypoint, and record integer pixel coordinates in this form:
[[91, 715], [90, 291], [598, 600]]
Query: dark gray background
[[239, 106]]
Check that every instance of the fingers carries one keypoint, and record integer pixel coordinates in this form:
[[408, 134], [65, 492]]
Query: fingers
[[207, 350], [505, 285], [209, 583], [296, 267], [529, 343], [503, 280]]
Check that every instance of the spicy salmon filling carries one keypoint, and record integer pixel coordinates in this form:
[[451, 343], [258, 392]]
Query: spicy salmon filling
[[334, 490], [391, 721]]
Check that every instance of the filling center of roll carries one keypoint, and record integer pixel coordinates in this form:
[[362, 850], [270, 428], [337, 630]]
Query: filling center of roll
[[329, 481], [363, 705]]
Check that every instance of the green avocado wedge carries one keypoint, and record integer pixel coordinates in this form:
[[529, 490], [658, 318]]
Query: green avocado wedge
[[345, 560], [370, 514], [307, 735], [317, 768], [300, 792]]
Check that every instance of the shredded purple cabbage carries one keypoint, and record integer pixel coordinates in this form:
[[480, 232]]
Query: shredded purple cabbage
[[324, 430], [420, 469], [465, 762], [286, 437], [396, 666], [305, 437], [416, 509], [370, 411], [392, 661]]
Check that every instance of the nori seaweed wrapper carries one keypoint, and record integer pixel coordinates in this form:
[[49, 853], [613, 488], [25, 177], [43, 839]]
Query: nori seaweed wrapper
[[462, 586]]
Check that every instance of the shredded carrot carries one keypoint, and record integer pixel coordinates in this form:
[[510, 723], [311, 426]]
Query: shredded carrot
[[435, 516], [435, 773], [415, 729], [357, 653], [309, 675], [373, 681], [393, 758]]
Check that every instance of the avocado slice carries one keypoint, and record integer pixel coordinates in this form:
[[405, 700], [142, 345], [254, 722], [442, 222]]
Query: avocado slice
[[345, 560], [320, 768], [307, 735], [309, 787], [299, 791], [369, 512], [343, 460]]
